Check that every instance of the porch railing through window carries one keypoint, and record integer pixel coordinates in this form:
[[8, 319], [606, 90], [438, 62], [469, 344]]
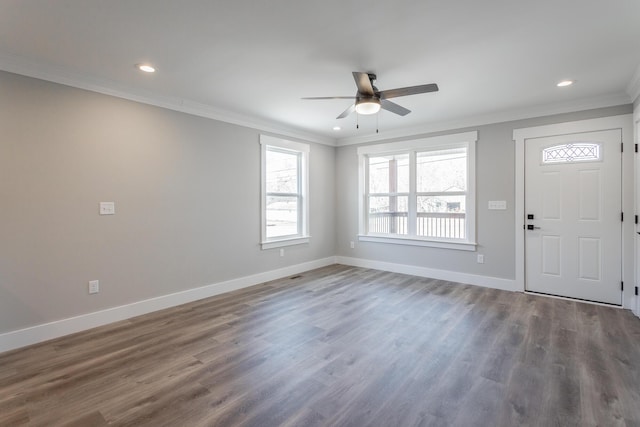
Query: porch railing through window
[[447, 225]]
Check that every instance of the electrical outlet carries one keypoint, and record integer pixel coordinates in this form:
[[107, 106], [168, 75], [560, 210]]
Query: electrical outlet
[[107, 208], [353, 245], [498, 205], [281, 252], [94, 286], [480, 259]]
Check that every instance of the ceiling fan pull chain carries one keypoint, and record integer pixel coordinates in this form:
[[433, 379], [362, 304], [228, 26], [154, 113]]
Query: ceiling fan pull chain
[[357, 120], [377, 121]]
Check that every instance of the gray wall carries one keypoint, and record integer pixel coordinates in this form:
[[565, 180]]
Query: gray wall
[[187, 194], [186, 190], [495, 230]]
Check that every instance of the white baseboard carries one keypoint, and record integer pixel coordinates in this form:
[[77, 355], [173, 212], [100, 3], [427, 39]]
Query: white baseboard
[[434, 273], [39, 333], [46, 331]]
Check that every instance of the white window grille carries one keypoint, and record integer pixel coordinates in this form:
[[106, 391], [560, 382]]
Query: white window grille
[[420, 192], [285, 212]]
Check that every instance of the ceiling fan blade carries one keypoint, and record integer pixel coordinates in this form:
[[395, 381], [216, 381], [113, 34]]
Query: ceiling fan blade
[[404, 91], [346, 112], [364, 84], [330, 97], [393, 107]]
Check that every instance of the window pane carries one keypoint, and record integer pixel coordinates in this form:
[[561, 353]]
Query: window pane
[[282, 172], [441, 170], [282, 216], [389, 174], [574, 152], [441, 216], [388, 214]]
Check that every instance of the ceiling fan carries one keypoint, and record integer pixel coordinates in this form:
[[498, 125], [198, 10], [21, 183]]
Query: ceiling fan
[[369, 100]]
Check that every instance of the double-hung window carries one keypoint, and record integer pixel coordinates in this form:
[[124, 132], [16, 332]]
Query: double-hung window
[[284, 192], [419, 192]]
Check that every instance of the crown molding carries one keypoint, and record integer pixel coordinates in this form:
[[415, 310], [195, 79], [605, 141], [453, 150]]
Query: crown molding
[[633, 88], [56, 74], [499, 117]]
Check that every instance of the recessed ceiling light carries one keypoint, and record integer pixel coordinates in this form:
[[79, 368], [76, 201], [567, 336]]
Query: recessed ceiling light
[[146, 68], [337, 128], [565, 83]]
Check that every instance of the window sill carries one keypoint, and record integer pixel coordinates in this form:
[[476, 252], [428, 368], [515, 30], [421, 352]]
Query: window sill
[[285, 242], [444, 244]]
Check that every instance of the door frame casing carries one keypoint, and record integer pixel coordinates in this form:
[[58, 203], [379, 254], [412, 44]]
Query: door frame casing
[[636, 130], [625, 124]]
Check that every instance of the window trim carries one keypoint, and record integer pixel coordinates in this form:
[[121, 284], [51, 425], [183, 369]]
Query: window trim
[[466, 139], [303, 150]]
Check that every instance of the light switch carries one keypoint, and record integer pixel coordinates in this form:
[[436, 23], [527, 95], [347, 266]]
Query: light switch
[[107, 208], [497, 204], [94, 286]]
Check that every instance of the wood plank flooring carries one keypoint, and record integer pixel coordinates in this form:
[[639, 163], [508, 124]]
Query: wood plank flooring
[[338, 346]]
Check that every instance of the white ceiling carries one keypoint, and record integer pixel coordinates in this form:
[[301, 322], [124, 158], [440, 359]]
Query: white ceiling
[[251, 61]]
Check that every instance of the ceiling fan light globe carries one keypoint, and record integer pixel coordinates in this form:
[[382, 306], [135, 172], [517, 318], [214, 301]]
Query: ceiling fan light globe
[[371, 106]]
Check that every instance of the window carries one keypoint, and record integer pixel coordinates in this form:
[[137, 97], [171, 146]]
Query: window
[[284, 192], [574, 152], [419, 192]]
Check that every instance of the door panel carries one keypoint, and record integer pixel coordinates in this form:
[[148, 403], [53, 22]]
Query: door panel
[[551, 255], [552, 197], [589, 193], [573, 190], [590, 258]]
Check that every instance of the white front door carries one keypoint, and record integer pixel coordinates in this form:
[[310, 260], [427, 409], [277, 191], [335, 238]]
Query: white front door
[[573, 205]]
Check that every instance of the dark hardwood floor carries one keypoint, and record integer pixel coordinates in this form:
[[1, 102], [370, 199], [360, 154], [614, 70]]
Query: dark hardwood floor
[[339, 346]]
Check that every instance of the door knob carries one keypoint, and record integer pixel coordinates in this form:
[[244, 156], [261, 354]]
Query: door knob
[[532, 227]]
